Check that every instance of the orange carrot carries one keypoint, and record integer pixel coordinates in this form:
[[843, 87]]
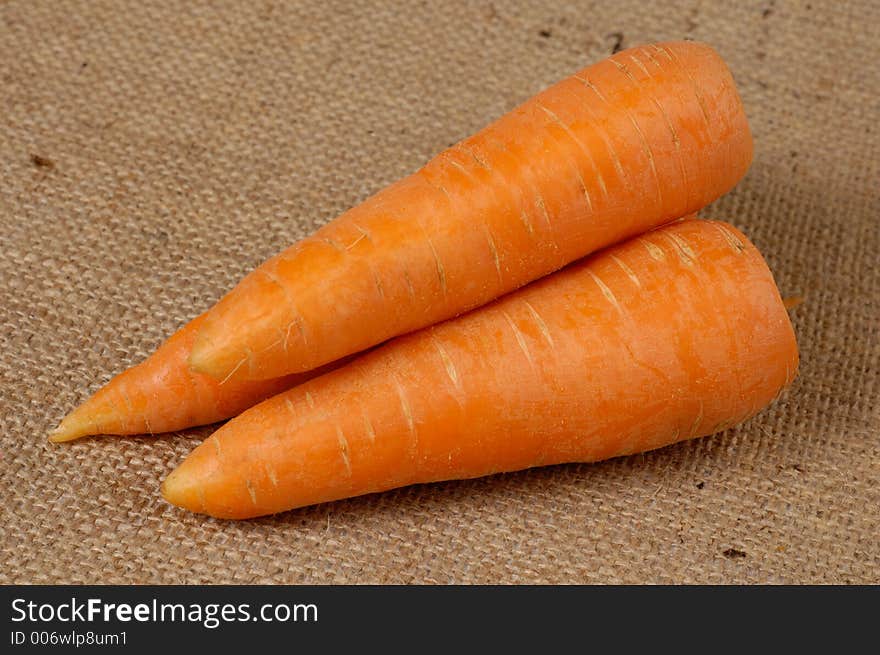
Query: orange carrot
[[161, 394], [672, 335], [630, 143]]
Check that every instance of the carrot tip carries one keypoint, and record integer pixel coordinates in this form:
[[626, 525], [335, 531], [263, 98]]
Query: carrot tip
[[70, 429], [56, 437], [176, 490], [167, 489]]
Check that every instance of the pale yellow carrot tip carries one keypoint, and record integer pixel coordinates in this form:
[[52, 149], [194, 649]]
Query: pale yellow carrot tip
[[81, 422], [72, 427], [176, 487]]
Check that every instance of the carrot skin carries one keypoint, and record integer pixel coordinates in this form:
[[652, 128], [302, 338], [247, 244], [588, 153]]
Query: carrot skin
[[161, 394], [676, 334], [625, 145]]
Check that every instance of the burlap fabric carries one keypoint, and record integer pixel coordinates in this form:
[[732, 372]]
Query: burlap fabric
[[152, 153]]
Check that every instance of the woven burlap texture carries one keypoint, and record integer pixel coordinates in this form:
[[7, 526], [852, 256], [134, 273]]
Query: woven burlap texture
[[152, 153]]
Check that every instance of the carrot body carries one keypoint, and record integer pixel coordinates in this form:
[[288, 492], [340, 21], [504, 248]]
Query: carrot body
[[161, 394], [651, 134], [675, 334]]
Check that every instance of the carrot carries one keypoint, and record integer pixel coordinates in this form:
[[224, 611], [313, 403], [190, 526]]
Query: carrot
[[672, 335], [651, 134], [161, 394]]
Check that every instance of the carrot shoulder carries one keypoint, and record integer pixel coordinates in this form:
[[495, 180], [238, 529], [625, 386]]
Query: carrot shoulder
[[630, 143], [672, 335], [161, 394]]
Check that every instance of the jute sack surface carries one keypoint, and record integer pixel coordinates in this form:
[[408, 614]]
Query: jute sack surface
[[152, 153]]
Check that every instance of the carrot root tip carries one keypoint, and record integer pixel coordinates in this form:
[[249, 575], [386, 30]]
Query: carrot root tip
[[70, 429]]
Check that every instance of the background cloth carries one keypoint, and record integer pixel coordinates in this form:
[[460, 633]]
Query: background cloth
[[151, 153]]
